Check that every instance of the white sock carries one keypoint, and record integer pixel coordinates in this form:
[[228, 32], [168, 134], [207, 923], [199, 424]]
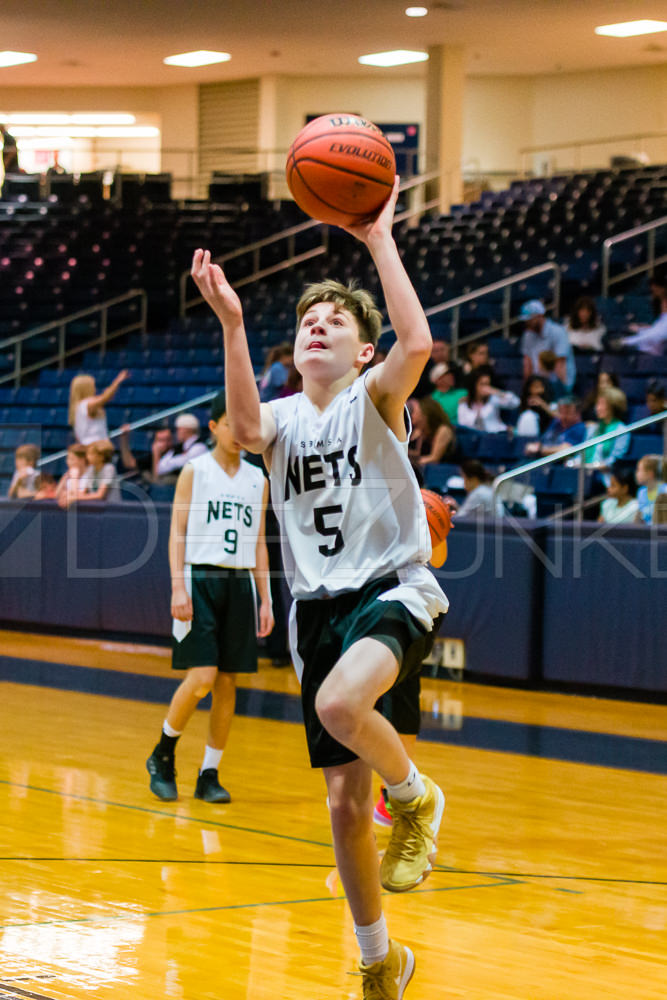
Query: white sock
[[411, 788], [168, 731], [373, 941], [212, 759]]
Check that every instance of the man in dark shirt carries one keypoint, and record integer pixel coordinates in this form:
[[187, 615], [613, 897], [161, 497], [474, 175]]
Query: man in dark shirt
[[564, 431]]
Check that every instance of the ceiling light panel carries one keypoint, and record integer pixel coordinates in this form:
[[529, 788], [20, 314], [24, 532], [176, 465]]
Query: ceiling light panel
[[396, 57], [9, 58], [626, 29], [201, 57]]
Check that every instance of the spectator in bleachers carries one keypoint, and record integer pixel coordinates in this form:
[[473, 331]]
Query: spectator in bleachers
[[168, 461], [610, 409], [584, 326], [547, 362], [440, 351], [480, 408], [660, 510], [651, 339], [542, 334], [293, 384], [46, 487], [138, 465], [479, 499], [605, 380], [432, 437], [86, 407], [650, 473], [276, 370], [23, 484], [565, 430], [68, 486], [620, 506], [10, 153], [535, 413], [477, 356], [447, 393], [655, 398], [100, 480]]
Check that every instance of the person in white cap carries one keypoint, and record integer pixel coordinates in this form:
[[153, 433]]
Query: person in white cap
[[542, 334], [187, 446]]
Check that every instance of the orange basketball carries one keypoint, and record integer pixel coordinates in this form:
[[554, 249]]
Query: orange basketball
[[439, 517], [340, 169]]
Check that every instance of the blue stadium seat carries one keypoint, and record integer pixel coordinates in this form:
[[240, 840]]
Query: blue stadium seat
[[436, 475], [643, 444]]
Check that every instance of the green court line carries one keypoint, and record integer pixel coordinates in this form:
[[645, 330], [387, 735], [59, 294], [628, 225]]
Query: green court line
[[174, 815], [539, 875], [122, 917]]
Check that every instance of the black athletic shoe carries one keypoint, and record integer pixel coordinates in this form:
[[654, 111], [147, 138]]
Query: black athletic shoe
[[163, 776], [209, 788]]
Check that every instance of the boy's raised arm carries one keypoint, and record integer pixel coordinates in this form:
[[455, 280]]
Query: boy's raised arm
[[391, 383], [251, 422]]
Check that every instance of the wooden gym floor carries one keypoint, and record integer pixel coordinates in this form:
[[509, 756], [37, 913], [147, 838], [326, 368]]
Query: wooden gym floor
[[552, 874]]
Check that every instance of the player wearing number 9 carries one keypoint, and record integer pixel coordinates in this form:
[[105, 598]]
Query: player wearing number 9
[[355, 548], [217, 554]]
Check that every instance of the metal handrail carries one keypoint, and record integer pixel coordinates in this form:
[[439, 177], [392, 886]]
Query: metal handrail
[[255, 249], [60, 325], [288, 234], [576, 449], [612, 241], [578, 144], [507, 319]]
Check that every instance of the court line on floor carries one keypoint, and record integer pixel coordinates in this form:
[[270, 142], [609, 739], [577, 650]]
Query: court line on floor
[[499, 882], [538, 875], [520, 876], [202, 821]]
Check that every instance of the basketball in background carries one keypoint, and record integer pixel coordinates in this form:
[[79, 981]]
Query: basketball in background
[[340, 169], [439, 517]]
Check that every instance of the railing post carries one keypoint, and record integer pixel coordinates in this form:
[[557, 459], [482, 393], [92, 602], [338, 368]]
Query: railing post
[[104, 315], [651, 250], [606, 251], [454, 327], [61, 347], [182, 294], [507, 312], [17, 363], [143, 305], [581, 484], [556, 291]]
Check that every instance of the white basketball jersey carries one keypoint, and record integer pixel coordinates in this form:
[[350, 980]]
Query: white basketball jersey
[[348, 502], [225, 514]]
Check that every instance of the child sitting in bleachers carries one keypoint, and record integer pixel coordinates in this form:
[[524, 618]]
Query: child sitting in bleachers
[[68, 485], [620, 505], [649, 474], [99, 481], [24, 481]]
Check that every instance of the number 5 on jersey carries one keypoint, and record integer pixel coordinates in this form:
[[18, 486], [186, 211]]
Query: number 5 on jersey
[[329, 530]]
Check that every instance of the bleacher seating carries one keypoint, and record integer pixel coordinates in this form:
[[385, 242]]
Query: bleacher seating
[[75, 247]]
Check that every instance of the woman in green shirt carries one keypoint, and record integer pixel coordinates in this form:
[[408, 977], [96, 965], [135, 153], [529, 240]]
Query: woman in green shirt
[[445, 379]]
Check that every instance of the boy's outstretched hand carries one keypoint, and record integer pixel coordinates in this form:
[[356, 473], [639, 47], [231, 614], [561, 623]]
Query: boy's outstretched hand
[[216, 290], [381, 224]]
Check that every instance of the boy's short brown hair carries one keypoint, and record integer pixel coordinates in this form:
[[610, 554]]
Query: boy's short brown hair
[[357, 301], [77, 449], [30, 452]]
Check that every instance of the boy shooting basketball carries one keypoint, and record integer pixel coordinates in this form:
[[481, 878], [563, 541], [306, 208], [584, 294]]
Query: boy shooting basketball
[[355, 545]]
